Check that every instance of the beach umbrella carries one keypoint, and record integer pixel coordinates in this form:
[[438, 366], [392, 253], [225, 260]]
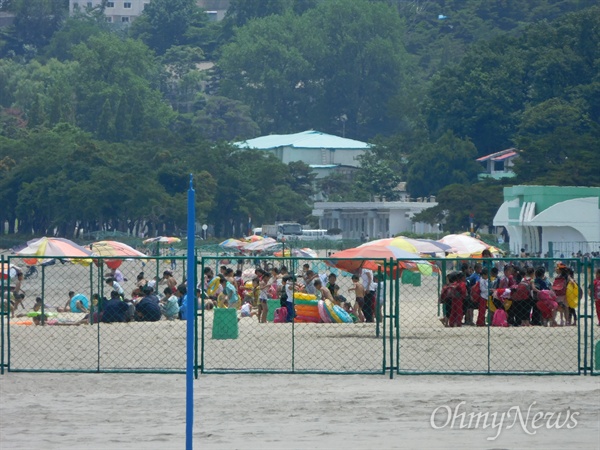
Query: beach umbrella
[[261, 245], [114, 249], [304, 253], [163, 240], [232, 244], [373, 256], [421, 246], [253, 238], [9, 269], [464, 246], [431, 247], [55, 247]]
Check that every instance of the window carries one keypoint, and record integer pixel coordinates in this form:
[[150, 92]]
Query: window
[[109, 19], [75, 6], [127, 5], [125, 19], [110, 4], [89, 4]]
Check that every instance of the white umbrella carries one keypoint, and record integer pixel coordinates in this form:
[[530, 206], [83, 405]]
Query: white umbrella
[[261, 245]]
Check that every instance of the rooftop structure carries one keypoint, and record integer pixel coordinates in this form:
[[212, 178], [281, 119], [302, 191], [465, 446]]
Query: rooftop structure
[[542, 218], [498, 165], [312, 147], [372, 219]]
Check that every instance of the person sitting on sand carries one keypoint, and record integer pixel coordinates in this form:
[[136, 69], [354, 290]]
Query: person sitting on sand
[[36, 307], [148, 308], [115, 310], [169, 304], [76, 303], [246, 309]]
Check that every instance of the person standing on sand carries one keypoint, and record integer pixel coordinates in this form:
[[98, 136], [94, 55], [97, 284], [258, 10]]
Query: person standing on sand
[[359, 291], [366, 276]]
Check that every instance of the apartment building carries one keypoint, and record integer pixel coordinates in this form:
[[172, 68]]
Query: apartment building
[[125, 11], [116, 11]]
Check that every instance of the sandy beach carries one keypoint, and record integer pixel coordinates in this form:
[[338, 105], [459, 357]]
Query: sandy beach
[[274, 411], [128, 411]]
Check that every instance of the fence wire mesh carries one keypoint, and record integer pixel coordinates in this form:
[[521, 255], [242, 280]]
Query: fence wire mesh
[[406, 328], [442, 337], [242, 342], [58, 324]]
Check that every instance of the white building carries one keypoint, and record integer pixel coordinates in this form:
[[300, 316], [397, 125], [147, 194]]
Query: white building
[[499, 165], [551, 219], [314, 148], [116, 11], [373, 219], [126, 11]]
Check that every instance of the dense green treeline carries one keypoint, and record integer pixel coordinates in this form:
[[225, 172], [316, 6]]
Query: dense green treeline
[[100, 124]]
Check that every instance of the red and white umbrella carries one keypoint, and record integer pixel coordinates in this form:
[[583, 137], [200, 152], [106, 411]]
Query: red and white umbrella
[[9, 269], [56, 248], [114, 249], [232, 243], [466, 246]]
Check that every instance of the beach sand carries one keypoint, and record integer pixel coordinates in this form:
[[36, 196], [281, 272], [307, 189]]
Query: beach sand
[[274, 411], [147, 411]]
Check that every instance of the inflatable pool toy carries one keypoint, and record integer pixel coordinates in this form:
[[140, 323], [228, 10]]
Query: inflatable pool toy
[[307, 311], [342, 314], [304, 296], [39, 313], [329, 307], [337, 313], [79, 298], [306, 319], [213, 285], [323, 313]]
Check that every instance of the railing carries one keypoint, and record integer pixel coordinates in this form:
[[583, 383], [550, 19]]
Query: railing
[[406, 336]]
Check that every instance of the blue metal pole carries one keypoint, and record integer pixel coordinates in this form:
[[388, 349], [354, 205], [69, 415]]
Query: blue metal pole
[[190, 312]]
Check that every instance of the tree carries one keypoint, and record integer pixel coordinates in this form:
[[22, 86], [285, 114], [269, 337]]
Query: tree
[[450, 160], [221, 118], [377, 177], [341, 58], [457, 203], [37, 20], [165, 23], [116, 88], [558, 141]]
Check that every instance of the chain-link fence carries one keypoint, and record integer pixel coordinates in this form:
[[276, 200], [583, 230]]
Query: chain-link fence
[[54, 321], [529, 338], [401, 321], [237, 342]]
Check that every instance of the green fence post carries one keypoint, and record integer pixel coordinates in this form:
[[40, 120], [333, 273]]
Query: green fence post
[[585, 317], [203, 338], [43, 315], [2, 313], [392, 308]]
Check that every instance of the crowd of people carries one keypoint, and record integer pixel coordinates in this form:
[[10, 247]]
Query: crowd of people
[[518, 295], [228, 289]]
